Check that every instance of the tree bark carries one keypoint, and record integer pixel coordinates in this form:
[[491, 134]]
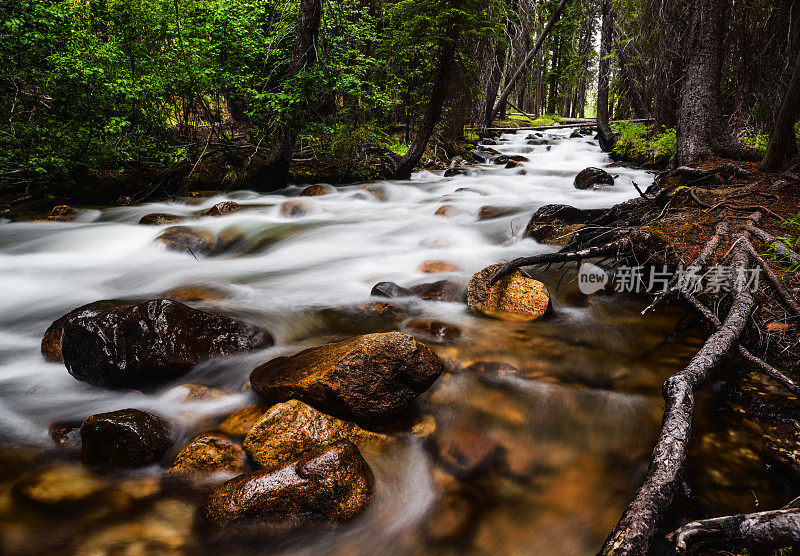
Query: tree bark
[[782, 138], [603, 77], [500, 57], [432, 112], [518, 72], [274, 171]]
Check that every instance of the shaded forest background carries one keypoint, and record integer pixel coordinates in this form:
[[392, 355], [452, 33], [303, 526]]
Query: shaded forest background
[[221, 93]]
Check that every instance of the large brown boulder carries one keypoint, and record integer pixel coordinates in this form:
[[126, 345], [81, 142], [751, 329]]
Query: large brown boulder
[[514, 297], [316, 190], [488, 212], [292, 429], [210, 453], [365, 379], [240, 422], [150, 343], [329, 486], [591, 176], [442, 290], [124, 438], [61, 213], [294, 208], [51, 341], [186, 238]]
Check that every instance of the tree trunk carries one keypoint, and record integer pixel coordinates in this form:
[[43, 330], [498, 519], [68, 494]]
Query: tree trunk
[[432, 112], [515, 76], [501, 54], [606, 138], [554, 75], [274, 171], [701, 130], [782, 138]]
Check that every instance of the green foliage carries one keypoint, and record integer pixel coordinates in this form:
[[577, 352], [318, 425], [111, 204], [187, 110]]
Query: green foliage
[[635, 143]]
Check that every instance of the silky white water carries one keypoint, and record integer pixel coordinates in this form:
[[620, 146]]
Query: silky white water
[[286, 269]]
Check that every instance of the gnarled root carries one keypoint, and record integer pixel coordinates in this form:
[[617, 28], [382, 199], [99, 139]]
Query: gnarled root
[[770, 529], [635, 530], [775, 243]]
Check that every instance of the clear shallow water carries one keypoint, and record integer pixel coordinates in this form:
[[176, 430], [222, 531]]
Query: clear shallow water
[[577, 423]]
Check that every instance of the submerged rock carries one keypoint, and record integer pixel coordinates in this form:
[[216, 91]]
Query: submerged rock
[[67, 436], [443, 290], [292, 429], [51, 341], [390, 290], [316, 190], [150, 343], [193, 294], [58, 487], [240, 422], [294, 208], [505, 158], [514, 297], [365, 379], [210, 453], [434, 331], [186, 238], [446, 210], [221, 209], [488, 212], [124, 438], [159, 219], [373, 316], [467, 453], [329, 486], [433, 267], [592, 176]]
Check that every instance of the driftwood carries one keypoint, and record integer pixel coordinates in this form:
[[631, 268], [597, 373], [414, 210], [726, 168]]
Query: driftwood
[[636, 527]]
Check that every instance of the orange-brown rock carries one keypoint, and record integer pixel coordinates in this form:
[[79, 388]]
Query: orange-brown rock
[[221, 209], [51, 341], [294, 208], [291, 429], [187, 239], [316, 190], [240, 422], [210, 453], [58, 487], [432, 267], [467, 453], [159, 219], [377, 193], [329, 486], [514, 297], [365, 379], [365, 317], [446, 210]]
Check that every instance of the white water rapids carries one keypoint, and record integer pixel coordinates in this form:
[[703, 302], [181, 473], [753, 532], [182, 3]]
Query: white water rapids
[[289, 268]]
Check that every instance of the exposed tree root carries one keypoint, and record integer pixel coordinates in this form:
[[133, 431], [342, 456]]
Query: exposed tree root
[[788, 299], [770, 529], [726, 169], [635, 530], [775, 243]]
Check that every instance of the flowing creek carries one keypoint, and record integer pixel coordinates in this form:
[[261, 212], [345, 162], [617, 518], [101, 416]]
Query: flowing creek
[[577, 422]]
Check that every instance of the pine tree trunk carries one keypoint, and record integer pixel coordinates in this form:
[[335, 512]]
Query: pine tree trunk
[[274, 172], [603, 77]]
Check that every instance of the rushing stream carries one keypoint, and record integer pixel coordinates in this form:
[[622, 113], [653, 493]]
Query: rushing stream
[[577, 422]]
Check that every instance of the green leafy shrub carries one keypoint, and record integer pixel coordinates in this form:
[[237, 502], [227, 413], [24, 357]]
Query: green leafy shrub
[[636, 143]]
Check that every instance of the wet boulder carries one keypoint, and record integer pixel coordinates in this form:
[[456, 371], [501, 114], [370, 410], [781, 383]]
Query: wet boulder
[[221, 209], [366, 379], [591, 176], [513, 164], [150, 343], [443, 290], [434, 267], [390, 290], [575, 135], [446, 210], [240, 422], [193, 294], [187, 238], [210, 453], [328, 486], [505, 158], [159, 219], [67, 436], [537, 141], [316, 190], [124, 438], [51, 341], [513, 297], [555, 223], [292, 429], [361, 318]]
